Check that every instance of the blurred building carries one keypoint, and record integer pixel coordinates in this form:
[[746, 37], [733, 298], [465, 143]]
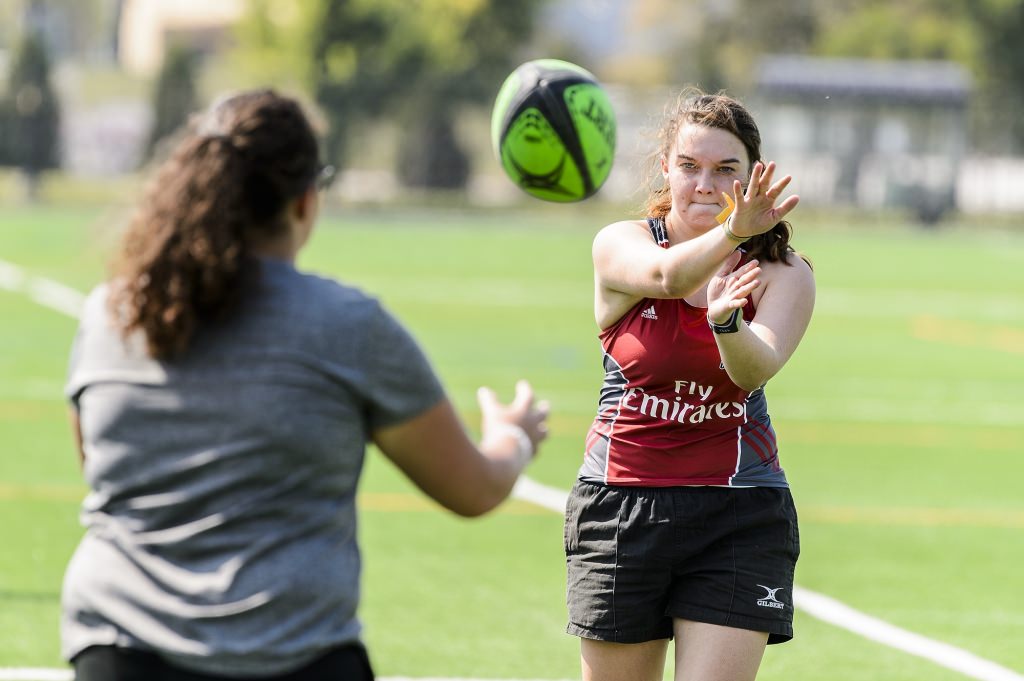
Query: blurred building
[[148, 26], [867, 132]]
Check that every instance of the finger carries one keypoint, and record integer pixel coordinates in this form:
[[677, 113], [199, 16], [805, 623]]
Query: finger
[[729, 264], [749, 265], [745, 289], [766, 176], [524, 395], [745, 271], [543, 407], [747, 277], [783, 208], [486, 398], [776, 189], [729, 305], [755, 181], [741, 289], [738, 193]]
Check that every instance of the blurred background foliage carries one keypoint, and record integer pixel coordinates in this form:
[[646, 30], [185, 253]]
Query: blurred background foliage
[[404, 85]]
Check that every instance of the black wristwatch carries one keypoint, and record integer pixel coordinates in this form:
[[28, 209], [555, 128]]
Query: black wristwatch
[[732, 325]]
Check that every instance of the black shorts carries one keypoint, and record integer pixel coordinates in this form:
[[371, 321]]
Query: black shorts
[[111, 663], [637, 557]]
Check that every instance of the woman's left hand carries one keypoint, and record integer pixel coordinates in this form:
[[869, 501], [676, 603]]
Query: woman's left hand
[[728, 290]]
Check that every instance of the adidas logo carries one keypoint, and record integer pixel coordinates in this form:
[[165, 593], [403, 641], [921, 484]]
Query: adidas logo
[[649, 313]]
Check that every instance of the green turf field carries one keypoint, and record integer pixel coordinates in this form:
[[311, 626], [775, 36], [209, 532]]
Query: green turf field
[[900, 418]]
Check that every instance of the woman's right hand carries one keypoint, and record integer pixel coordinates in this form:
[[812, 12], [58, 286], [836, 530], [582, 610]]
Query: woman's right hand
[[755, 211], [434, 450], [522, 420]]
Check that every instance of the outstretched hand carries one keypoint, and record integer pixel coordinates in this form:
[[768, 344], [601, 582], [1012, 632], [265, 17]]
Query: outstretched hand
[[523, 412], [755, 211], [729, 290]]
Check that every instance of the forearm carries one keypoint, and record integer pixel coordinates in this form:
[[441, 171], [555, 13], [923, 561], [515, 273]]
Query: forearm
[[506, 451], [435, 452], [749, 360], [689, 265]]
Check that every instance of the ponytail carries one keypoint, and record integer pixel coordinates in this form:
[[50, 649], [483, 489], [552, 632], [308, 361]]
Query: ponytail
[[185, 258], [183, 255]]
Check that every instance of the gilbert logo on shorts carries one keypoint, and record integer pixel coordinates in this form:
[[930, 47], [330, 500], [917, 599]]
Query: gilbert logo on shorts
[[769, 600]]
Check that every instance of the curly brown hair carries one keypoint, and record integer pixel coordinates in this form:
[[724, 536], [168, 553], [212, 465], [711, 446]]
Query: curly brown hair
[[723, 112], [185, 258]]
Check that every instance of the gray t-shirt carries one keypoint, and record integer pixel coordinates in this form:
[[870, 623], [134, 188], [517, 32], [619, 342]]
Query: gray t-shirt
[[221, 525]]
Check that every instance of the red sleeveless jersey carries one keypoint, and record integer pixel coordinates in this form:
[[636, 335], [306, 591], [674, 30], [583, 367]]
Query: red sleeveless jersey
[[669, 414]]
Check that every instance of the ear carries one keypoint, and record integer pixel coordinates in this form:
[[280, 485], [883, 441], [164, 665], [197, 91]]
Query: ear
[[305, 204], [664, 166]]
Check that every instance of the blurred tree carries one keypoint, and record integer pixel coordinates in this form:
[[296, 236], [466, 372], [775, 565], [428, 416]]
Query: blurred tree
[[174, 97], [33, 114], [985, 36], [274, 44], [736, 33], [468, 55], [6, 128], [897, 29], [1000, 25], [366, 56], [364, 60], [71, 28]]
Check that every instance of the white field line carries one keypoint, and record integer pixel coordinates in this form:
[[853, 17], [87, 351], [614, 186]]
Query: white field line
[[34, 674], [66, 300], [967, 663], [46, 292], [30, 674]]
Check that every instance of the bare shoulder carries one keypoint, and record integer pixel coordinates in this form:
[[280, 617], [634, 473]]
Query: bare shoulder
[[795, 271], [623, 229], [786, 281]]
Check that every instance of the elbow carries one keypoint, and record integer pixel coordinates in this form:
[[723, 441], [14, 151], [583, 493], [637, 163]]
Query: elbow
[[748, 380], [481, 499], [475, 507], [748, 385], [675, 287]]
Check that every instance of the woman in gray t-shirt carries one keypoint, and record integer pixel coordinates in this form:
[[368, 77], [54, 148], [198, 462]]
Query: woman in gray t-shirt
[[222, 402]]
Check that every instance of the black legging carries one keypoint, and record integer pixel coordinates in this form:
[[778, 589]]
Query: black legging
[[109, 663]]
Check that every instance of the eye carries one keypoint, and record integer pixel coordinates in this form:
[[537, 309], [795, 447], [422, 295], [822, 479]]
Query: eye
[[688, 165], [727, 170]]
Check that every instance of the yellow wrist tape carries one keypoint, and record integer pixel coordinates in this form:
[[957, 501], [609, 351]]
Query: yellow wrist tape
[[727, 211]]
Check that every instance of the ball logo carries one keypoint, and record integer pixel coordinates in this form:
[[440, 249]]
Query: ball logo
[[602, 120], [534, 146]]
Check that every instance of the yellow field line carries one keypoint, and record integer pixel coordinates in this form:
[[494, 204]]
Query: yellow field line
[[395, 502], [71, 493], [968, 334], [897, 434], [913, 517], [402, 502]]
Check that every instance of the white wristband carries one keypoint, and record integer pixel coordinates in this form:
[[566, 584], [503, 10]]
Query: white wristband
[[524, 445]]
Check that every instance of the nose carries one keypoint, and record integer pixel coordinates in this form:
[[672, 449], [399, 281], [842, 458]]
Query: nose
[[705, 182]]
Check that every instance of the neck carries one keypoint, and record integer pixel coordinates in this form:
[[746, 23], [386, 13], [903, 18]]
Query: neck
[[678, 230], [279, 248]]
